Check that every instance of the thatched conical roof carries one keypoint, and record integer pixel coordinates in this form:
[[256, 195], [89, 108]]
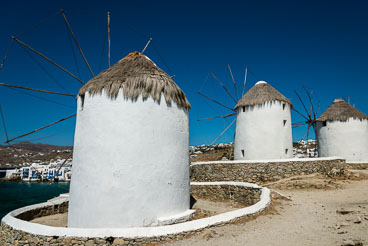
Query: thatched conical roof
[[136, 75], [260, 93], [340, 110]]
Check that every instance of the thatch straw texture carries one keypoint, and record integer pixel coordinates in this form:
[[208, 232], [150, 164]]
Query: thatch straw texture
[[261, 93], [136, 75], [340, 110]]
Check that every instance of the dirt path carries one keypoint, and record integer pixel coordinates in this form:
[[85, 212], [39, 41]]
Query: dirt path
[[314, 217]]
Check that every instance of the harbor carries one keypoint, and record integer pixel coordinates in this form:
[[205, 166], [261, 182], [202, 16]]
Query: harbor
[[19, 194]]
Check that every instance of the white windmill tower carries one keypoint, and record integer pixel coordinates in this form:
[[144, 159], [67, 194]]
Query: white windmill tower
[[342, 130], [130, 163], [263, 125], [263, 122]]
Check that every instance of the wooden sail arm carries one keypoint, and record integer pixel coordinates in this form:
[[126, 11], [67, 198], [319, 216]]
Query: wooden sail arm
[[39, 90], [215, 101], [108, 38], [220, 116], [3, 119], [310, 96], [222, 133], [76, 41], [6, 54], [58, 170], [245, 80], [223, 87], [300, 114], [302, 103], [319, 105], [48, 59], [39, 129], [145, 47], [232, 77]]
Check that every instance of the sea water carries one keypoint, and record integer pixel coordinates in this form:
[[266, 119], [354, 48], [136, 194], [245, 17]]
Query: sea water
[[15, 195]]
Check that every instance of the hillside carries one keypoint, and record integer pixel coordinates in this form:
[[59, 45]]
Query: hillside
[[22, 153]]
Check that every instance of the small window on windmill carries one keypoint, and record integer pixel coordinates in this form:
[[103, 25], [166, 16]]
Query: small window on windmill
[[243, 108], [286, 151], [82, 101], [283, 106], [324, 123], [242, 151], [284, 122]]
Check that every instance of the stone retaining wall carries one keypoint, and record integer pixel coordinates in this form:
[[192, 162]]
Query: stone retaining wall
[[357, 166], [11, 237], [244, 196], [44, 211], [261, 172]]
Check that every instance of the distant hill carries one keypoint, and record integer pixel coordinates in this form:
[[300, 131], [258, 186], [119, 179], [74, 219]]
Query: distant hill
[[39, 147], [16, 155]]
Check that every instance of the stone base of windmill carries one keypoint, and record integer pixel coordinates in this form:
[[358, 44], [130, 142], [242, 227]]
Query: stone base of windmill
[[215, 204]]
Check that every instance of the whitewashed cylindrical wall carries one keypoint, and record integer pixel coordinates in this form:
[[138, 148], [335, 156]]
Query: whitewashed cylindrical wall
[[263, 131], [348, 139], [130, 162]]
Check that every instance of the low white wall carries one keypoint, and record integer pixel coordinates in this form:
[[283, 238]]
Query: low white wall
[[130, 163], [261, 133], [38, 229], [347, 139]]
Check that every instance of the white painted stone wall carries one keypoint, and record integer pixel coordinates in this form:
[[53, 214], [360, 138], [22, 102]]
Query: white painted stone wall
[[138, 232], [130, 163], [346, 139], [261, 132]]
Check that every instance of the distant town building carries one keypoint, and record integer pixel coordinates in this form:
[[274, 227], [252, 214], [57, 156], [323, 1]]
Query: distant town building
[[263, 125], [54, 171]]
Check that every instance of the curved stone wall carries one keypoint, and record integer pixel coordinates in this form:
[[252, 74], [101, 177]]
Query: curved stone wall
[[15, 231], [357, 165]]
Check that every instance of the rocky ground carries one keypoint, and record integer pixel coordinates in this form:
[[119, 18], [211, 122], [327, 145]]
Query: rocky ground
[[322, 211]]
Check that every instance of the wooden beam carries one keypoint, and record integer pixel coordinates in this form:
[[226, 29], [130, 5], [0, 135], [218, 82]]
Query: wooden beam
[[6, 54], [76, 41], [39, 90], [232, 77], [145, 47], [220, 116], [300, 113], [245, 80], [108, 37], [222, 133], [48, 59], [302, 104], [26, 134], [215, 101], [224, 87], [3, 119]]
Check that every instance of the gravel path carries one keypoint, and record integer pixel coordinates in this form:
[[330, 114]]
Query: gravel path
[[314, 217]]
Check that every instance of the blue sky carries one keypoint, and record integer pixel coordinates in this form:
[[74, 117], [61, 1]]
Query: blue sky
[[319, 44]]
